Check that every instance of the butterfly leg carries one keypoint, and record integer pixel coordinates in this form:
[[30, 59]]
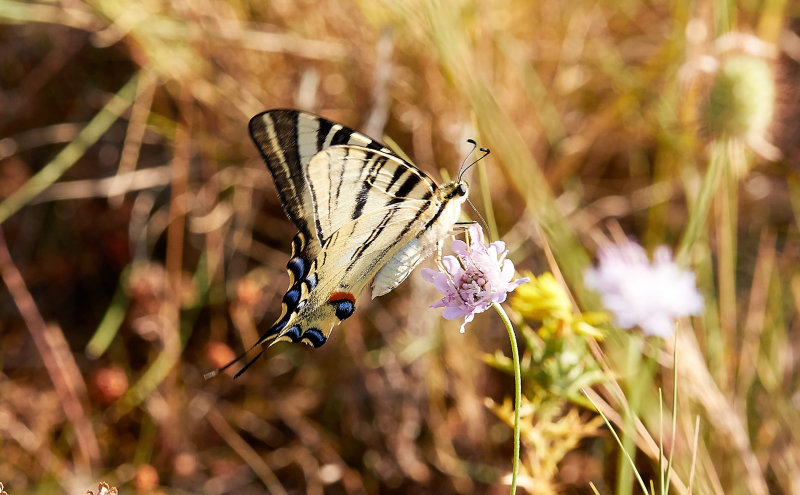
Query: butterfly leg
[[463, 228], [438, 257], [458, 228], [455, 230], [440, 264]]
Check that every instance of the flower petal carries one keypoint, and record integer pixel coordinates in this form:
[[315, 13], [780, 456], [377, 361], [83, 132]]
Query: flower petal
[[454, 312]]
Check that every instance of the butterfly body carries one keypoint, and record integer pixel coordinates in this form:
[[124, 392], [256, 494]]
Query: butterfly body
[[362, 213]]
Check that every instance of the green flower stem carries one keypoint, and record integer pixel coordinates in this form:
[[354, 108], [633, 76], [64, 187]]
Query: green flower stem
[[698, 210], [517, 392]]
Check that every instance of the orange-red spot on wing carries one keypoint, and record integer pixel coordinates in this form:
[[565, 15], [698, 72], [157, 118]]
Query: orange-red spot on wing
[[342, 296]]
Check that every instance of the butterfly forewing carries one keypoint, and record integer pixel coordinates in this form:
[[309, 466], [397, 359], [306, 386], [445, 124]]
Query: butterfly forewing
[[287, 140], [347, 181]]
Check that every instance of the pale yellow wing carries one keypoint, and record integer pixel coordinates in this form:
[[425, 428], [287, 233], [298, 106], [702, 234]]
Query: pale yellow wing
[[347, 181]]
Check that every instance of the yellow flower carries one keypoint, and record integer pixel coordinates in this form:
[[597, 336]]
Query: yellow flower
[[542, 298], [545, 299]]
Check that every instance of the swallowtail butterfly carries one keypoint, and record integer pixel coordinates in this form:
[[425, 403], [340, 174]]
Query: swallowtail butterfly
[[362, 214]]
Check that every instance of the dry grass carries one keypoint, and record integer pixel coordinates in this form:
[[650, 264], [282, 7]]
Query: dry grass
[[146, 242]]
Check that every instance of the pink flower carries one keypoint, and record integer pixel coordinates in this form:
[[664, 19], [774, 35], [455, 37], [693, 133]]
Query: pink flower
[[642, 294], [474, 279]]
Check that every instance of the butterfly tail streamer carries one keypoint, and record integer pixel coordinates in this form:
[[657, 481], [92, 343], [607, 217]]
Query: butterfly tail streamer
[[268, 336], [297, 268]]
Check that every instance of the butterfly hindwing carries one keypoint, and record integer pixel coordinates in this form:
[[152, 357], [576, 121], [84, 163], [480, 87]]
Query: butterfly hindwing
[[350, 257], [361, 231]]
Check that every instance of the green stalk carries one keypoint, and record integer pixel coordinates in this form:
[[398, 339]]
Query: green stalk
[[67, 157], [665, 485], [517, 392], [699, 208], [642, 484]]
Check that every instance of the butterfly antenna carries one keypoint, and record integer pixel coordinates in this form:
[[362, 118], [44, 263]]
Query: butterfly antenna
[[474, 145], [485, 151]]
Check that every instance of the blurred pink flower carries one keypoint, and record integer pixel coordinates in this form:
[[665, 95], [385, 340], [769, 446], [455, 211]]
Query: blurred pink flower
[[474, 279], [639, 293]]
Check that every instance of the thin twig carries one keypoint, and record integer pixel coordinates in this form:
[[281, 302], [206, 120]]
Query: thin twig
[[618, 440], [133, 139], [245, 451], [643, 441], [170, 309], [700, 385], [146, 178], [694, 453], [40, 136], [57, 358]]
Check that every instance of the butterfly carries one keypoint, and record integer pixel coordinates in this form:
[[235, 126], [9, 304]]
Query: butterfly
[[362, 214]]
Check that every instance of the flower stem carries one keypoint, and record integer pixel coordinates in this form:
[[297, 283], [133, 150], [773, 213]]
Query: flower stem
[[517, 392], [698, 211]]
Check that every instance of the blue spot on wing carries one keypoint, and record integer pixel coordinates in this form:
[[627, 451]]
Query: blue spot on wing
[[291, 298], [344, 309], [298, 267], [311, 282], [293, 333], [315, 337], [278, 326]]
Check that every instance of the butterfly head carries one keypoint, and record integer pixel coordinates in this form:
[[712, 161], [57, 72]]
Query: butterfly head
[[457, 190]]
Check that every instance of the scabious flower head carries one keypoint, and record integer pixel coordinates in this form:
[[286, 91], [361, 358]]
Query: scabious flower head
[[741, 100], [644, 294], [474, 279]]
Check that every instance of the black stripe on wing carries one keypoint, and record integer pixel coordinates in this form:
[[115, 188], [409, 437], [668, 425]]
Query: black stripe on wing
[[385, 222], [408, 185], [275, 134], [378, 162], [342, 136], [324, 129], [279, 136]]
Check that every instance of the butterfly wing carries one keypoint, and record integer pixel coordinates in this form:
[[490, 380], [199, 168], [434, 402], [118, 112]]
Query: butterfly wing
[[347, 181], [288, 140], [373, 213]]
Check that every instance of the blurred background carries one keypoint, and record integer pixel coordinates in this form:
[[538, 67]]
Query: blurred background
[[144, 241]]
